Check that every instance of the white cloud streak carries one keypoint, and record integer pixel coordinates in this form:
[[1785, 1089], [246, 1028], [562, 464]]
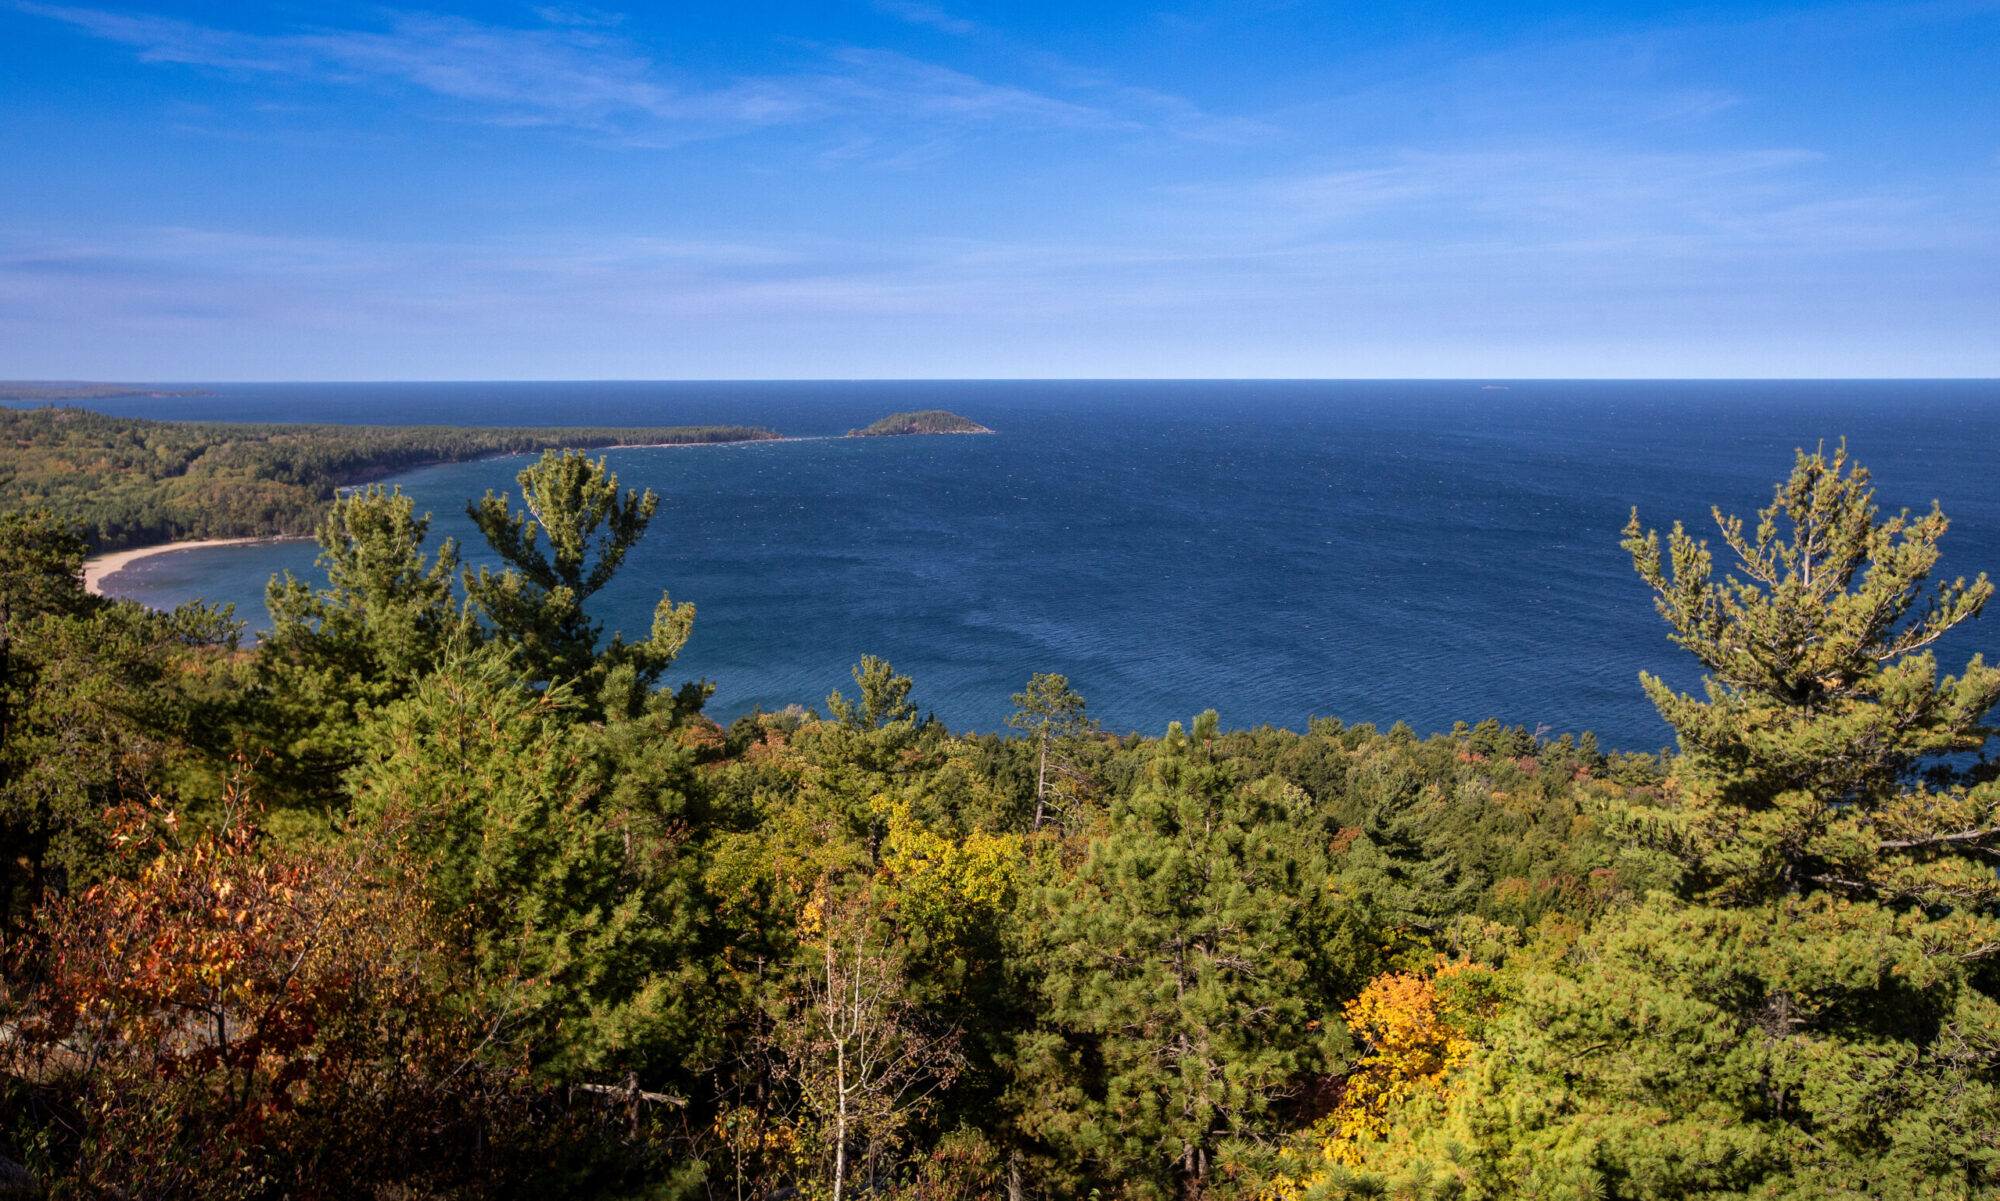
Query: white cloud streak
[[928, 15], [574, 72], [1462, 248]]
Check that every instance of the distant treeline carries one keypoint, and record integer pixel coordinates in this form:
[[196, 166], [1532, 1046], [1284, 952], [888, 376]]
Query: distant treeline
[[133, 482], [46, 392]]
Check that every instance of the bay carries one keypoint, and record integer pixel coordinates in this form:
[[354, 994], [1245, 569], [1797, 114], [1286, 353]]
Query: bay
[[1430, 551]]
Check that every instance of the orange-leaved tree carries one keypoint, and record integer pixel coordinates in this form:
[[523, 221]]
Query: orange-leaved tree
[[226, 1018]]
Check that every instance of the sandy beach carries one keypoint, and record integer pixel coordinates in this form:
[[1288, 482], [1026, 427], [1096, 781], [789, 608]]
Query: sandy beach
[[96, 571]]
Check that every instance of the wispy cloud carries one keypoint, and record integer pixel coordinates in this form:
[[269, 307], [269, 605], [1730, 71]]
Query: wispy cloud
[[1548, 222], [926, 14], [1503, 286], [562, 73], [1590, 209], [880, 78], [574, 71], [589, 18]]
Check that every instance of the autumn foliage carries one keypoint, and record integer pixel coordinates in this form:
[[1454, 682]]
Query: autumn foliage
[[1415, 1029], [233, 1018], [519, 924]]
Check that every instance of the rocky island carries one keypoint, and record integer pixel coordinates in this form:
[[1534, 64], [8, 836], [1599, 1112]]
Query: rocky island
[[927, 421]]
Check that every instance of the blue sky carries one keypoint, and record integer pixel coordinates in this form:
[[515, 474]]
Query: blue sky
[[891, 188]]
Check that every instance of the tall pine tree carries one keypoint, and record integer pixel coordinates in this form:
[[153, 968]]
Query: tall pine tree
[[1174, 1019], [1813, 1012], [567, 545]]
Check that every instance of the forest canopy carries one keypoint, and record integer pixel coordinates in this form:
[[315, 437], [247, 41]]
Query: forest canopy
[[443, 890]]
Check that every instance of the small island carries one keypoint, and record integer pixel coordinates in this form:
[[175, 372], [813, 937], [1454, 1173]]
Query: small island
[[928, 421]]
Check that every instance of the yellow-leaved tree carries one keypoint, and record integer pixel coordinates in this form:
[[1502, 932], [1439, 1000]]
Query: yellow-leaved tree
[[1415, 1029]]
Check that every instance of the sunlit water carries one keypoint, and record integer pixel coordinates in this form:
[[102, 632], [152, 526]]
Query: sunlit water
[[1426, 551]]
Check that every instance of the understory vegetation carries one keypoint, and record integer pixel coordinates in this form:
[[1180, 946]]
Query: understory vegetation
[[444, 891]]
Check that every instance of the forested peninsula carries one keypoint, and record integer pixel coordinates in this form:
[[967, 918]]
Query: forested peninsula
[[130, 482], [441, 890], [62, 392]]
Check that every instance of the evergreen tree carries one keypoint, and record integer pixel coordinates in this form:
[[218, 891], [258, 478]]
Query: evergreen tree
[[387, 612], [1800, 769], [506, 799], [1815, 1014], [93, 706], [884, 699], [335, 654], [562, 550], [1050, 712], [1170, 979]]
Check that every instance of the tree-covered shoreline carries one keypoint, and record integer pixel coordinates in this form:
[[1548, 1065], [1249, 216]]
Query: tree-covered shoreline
[[62, 392], [443, 890], [131, 482]]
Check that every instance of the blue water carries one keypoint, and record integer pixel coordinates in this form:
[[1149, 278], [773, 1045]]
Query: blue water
[[1430, 551]]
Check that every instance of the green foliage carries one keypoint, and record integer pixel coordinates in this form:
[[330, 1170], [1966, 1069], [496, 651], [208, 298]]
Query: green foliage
[[1802, 1048], [570, 932], [884, 700], [535, 606], [1050, 712], [383, 622], [95, 706], [1814, 1015], [41, 568], [1173, 1014], [1823, 702]]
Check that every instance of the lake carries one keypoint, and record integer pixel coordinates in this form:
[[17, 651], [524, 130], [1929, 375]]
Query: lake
[[1424, 551]]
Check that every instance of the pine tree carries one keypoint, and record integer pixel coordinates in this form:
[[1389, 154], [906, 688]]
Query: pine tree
[[500, 798], [93, 706], [1050, 711], [1816, 1013], [567, 545], [387, 612], [336, 654], [1174, 1017], [884, 699], [1801, 769]]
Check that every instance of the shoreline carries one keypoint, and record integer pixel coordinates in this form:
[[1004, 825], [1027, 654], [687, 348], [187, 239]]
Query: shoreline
[[364, 478], [675, 445], [98, 570], [920, 433]]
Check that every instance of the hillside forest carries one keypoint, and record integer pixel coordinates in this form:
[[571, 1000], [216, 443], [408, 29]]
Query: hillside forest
[[441, 890]]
